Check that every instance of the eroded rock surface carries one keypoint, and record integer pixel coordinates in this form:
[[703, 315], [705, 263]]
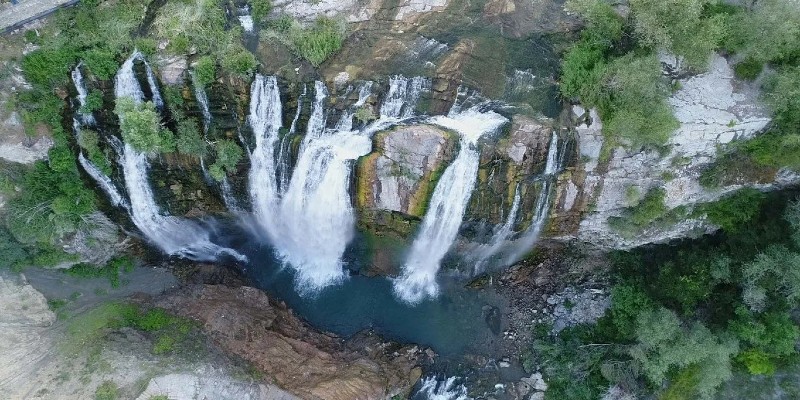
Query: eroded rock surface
[[306, 363], [713, 109], [401, 172]]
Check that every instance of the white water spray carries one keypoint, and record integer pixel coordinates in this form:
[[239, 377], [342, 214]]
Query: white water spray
[[104, 181], [80, 87], [487, 251], [447, 206], [432, 388]]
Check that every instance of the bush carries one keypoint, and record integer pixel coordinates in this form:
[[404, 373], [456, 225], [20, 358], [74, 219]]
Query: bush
[[228, 155], [316, 42], [242, 63], [261, 9], [783, 94], [748, 69], [141, 127], [734, 211], [205, 71], [101, 62], [107, 391], [189, 141], [48, 67], [94, 102]]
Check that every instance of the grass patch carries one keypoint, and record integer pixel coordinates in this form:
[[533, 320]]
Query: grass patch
[[314, 43]]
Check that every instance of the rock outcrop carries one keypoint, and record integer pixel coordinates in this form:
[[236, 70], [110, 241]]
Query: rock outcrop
[[401, 172], [713, 108], [304, 362]]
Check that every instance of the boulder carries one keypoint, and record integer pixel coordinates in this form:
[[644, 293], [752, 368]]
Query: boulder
[[304, 362]]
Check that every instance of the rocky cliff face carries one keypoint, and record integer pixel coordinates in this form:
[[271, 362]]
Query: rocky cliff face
[[308, 364], [714, 109]]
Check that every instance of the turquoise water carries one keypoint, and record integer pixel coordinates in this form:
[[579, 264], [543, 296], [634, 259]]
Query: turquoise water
[[451, 324]]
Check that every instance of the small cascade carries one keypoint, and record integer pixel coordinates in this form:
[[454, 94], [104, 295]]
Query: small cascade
[[80, 87], [202, 101], [227, 196], [106, 184], [265, 119], [403, 95], [447, 206], [284, 159], [432, 388], [541, 212], [175, 236], [346, 121], [316, 122], [485, 252], [153, 83]]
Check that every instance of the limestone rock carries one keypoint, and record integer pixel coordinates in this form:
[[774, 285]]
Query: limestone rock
[[172, 68], [399, 175], [308, 11], [409, 9], [304, 362], [193, 386], [713, 109]]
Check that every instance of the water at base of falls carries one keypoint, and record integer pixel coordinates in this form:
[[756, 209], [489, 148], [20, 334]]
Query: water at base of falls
[[447, 206], [433, 388]]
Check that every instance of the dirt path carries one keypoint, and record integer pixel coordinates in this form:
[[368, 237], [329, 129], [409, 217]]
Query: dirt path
[[13, 15]]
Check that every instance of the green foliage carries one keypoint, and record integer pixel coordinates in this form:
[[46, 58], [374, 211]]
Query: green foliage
[[770, 33], [734, 211], [649, 209], [773, 277], [11, 252], [48, 67], [748, 69], [94, 102], [261, 9], [627, 303], [768, 338], [365, 114], [189, 141], [680, 27], [582, 72], [141, 127], [205, 71], [637, 109], [783, 94], [107, 390], [314, 43], [242, 63], [228, 155], [200, 24], [102, 62], [111, 271], [664, 344]]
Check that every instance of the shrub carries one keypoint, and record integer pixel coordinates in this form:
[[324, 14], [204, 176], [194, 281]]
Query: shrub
[[94, 102], [783, 94], [316, 42], [205, 71], [242, 63], [748, 69], [261, 9], [582, 71], [107, 391], [189, 141], [228, 155], [48, 67], [141, 127], [101, 62], [735, 210], [365, 114]]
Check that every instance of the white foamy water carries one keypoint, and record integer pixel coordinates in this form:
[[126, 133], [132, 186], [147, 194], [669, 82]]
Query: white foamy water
[[311, 221], [106, 184], [80, 87], [432, 388], [499, 239], [247, 22], [173, 235], [447, 206], [403, 96], [202, 102]]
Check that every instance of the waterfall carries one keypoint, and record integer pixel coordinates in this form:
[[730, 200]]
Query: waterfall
[[310, 220], [80, 87], [541, 212], [346, 121], [104, 181], [202, 101], [173, 235], [447, 206], [265, 119], [403, 96], [431, 388], [284, 159], [500, 237]]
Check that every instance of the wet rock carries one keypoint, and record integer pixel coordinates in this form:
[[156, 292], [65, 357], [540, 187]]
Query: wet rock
[[401, 173], [172, 69], [302, 361]]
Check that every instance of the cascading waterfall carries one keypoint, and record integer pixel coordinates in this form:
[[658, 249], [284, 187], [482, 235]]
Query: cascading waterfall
[[202, 102], [346, 121], [175, 236], [485, 252], [80, 87], [432, 388], [541, 212], [106, 184], [447, 206], [311, 222], [403, 96]]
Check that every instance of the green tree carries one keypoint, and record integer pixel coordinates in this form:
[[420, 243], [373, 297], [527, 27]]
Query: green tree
[[772, 277], [770, 33], [261, 9], [783, 94], [680, 27], [241, 62], [664, 344], [228, 155], [141, 127]]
